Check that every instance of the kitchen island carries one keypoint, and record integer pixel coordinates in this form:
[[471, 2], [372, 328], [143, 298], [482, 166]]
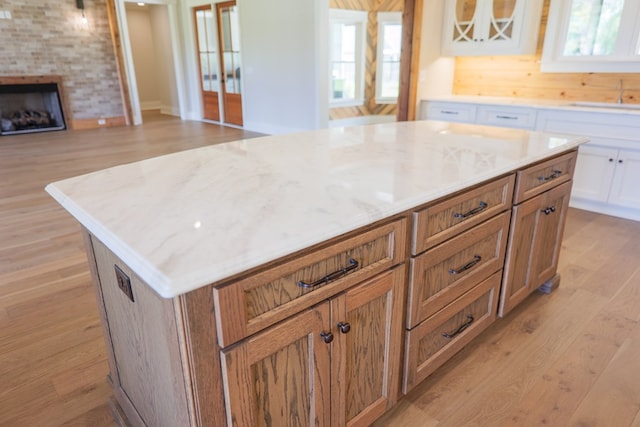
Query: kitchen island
[[308, 279]]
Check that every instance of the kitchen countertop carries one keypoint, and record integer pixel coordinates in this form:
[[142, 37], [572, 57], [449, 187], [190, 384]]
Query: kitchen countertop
[[188, 219], [542, 104]]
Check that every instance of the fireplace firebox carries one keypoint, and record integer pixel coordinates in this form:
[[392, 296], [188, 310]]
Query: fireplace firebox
[[27, 107]]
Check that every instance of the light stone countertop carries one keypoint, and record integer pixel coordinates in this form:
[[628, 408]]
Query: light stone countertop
[[543, 104], [189, 219]]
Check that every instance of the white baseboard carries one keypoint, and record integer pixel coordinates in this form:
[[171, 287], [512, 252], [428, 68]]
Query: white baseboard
[[150, 105], [605, 208], [170, 110], [362, 120]]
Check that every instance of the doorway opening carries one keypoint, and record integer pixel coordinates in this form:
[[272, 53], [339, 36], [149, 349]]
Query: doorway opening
[[153, 59], [365, 45]]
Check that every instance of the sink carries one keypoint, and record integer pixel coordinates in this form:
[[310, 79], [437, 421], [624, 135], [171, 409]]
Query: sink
[[606, 105]]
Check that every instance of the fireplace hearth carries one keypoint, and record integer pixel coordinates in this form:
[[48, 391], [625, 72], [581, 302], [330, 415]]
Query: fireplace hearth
[[30, 106]]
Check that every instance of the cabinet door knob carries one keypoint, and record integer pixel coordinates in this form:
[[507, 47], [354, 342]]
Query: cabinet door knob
[[327, 336], [620, 161], [610, 159], [345, 327]]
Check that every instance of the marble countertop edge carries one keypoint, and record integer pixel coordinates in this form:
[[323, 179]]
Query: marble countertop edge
[[167, 287]]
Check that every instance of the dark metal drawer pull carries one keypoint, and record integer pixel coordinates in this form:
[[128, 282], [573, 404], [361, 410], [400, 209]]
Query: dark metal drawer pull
[[500, 116], [476, 259], [461, 328], [453, 113], [353, 264], [474, 211], [554, 175], [548, 210]]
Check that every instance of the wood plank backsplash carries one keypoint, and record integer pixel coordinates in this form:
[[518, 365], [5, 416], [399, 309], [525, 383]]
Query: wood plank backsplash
[[520, 77]]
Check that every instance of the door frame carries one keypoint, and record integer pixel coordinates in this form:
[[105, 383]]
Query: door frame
[[126, 69]]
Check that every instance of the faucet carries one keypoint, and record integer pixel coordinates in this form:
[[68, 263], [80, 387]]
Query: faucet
[[620, 87]]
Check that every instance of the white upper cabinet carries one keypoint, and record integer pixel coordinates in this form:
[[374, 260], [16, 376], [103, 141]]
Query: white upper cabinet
[[490, 27], [592, 36]]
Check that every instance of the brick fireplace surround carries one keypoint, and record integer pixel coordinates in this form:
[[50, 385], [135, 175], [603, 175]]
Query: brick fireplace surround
[[47, 40]]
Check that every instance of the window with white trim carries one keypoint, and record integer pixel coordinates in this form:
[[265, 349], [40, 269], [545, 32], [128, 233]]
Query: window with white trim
[[592, 36], [388, 57], [347, 36]]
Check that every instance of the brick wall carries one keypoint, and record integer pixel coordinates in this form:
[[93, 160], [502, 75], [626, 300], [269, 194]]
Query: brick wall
[[47, 37]]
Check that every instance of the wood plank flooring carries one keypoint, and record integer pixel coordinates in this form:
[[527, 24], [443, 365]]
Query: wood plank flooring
[[52, 358], [566, 359]]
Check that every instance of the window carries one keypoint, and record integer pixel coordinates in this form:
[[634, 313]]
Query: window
[[347, 34], [388, 58], [592, 36]]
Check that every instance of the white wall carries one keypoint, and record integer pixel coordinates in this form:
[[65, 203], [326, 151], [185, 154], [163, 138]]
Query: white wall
[[166, 76], [436, 72], [284, 64]]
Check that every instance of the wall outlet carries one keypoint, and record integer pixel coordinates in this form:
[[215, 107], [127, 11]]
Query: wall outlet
[[102, 122]]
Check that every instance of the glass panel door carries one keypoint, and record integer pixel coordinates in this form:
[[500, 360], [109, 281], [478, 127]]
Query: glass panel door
[[231, 84], [208, 59]]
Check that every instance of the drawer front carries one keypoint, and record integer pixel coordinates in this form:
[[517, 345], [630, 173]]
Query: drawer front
[[262, 299], [541, 177], [444, 220], [442, 274], [427, 347], [521, 118], [451, 112]]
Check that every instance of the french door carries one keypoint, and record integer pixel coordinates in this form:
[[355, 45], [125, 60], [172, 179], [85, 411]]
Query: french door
[[219, 56]]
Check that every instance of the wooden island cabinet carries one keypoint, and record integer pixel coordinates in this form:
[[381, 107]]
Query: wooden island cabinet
[[332, 334]]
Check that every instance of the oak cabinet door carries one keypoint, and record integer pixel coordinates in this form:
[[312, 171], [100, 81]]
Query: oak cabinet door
[[366, 364], [280, 377], [534, 244], [549, 233]]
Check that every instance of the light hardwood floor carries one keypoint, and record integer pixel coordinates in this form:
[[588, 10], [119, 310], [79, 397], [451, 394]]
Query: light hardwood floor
[[569, 358]]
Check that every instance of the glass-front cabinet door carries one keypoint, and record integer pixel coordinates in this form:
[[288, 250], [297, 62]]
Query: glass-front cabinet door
[[490, 27]]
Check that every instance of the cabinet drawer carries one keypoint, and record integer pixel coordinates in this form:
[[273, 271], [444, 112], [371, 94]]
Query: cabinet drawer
[[513, 117], [427, 346], [442, 274], [444, 220], [544, 176], [264, 298], [451, 112]]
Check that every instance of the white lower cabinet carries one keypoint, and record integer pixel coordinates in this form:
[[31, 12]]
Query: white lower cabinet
[[625, 187], [594, 172], [608, 175]]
